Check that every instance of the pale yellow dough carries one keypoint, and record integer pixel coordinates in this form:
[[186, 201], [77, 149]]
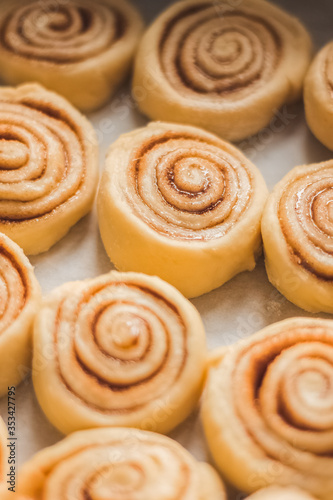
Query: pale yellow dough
[[268, 409], [222, 67], [180, 203], [118, 463], [123, 349], [276, 493], [318, 96], [48, 166], [19, 301], [297, 232], [79, 48], [3, 451]]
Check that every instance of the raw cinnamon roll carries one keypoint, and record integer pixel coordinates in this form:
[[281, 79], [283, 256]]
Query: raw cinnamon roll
[[180, 203], [79, 48], [318, 96], [19, 300], [222, 67], [48, 166], [276, 493], [268, 408], [118, 464], [3, 450], [121, 349], [297, 229]]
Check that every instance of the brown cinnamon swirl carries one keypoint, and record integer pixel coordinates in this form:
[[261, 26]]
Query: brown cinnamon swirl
[[118, 464], [268, 408], [48, 166], [298, 233], [79, 48], [222, 67], [180, 203], [318, 96], [19, 300], [121, 349]]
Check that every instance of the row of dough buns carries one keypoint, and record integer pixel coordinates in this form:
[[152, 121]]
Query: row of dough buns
[[224, 68], [267, 409], [216, 66]]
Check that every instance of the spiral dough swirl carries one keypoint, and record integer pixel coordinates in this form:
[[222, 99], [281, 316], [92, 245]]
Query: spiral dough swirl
[[273, 395], [202, 55], [123, 348], [15, 284], [221, 67], [79, 49], [19, 300], [118, 464], [62, 32], [187, 187], [48, 165], [306, 216], [175, 202]]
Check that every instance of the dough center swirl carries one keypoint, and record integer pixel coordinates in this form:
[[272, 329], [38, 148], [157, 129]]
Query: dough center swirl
[[126, 343], [219, 56], [186, 188], [62, 33], [306, 219]]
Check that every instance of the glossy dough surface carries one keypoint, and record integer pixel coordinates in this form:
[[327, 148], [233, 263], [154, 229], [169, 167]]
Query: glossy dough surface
[[79, 48], [268, 408], [19, 301], [297, 232], [121, 349], [48, 166], [222, 67], [318, 96], [276, 493], [180, 203], [118, 464]]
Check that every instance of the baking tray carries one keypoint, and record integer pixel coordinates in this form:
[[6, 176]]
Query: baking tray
[[235, 311]]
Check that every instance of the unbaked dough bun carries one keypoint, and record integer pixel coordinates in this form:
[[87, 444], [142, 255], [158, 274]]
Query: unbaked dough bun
[[297, 229], [3, 451], [276, 493], [118, 464], [222, 67], [48, 166], [79, 48], [180, 203], [268, 408], [123, 349], [19, 301], [318, 96]]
